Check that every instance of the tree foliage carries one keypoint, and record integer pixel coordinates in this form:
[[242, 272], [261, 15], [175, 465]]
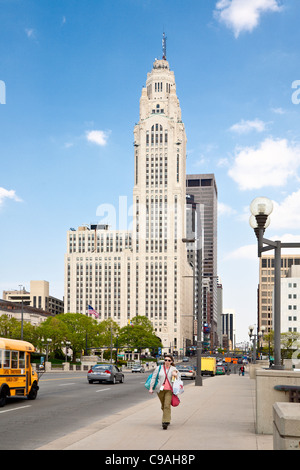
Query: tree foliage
[[83, 332], [138, 335]]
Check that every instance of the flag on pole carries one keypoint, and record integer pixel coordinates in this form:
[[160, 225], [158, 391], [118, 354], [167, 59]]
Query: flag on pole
[[91, 311]]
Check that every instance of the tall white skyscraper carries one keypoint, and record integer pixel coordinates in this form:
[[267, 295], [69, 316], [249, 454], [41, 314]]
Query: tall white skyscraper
[[144, 271]]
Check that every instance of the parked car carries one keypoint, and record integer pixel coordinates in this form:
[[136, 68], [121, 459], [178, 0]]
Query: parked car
[[220, 370], [105, 373], [137, 368], [186, 372]]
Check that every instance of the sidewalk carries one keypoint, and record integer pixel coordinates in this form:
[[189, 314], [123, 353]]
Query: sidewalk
[[220, 415]]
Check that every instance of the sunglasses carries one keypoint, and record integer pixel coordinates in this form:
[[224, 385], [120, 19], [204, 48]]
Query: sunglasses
[[168, 360]]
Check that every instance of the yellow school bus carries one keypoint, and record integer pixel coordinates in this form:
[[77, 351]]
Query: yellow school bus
[[16, 375]]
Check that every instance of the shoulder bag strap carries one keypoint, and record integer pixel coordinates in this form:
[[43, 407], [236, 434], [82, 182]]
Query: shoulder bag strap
[[166, 374]]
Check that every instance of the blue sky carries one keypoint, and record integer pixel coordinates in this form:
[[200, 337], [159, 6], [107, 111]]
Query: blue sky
[[71, 75]]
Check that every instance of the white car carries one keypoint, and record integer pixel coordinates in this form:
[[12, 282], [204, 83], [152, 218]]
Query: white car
[[186, 372], [138, 368]]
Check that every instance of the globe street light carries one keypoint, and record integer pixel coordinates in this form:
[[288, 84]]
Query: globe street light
[[256, 339], [261, 208]]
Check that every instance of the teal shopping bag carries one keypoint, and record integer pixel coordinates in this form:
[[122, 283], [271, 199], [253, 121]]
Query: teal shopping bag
[[148, 381]]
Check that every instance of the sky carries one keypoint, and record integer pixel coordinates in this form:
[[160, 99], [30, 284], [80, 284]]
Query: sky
[[71, 76]]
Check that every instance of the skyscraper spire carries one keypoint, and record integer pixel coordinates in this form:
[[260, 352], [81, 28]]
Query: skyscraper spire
[[164, 47]]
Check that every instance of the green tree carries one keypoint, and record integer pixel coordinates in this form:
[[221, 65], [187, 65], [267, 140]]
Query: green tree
[[139, 335], [108, 331], [11, 328], [54, 329], [81, 331], [289, 343]]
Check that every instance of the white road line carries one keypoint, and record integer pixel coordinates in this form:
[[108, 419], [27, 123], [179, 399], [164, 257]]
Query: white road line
[[14, 409], [102, 390]]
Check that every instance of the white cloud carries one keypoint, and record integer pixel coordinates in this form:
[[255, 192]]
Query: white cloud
[[248, 252], [68, 145], [223, 162], [278, 110], [286, 238], [97, 137], [243, 15], [30, 33], [224, 209], [286, 215], [8, 194], [270, 164], [244, 127]]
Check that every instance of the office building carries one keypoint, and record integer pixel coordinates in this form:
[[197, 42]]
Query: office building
[[220, 311], [144, 271], [228, 329], [204, 190], [16, 310], [194, 240], [290, 301], [38, 297], [266, 286]]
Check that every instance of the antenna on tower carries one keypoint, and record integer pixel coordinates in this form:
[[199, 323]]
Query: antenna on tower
[[164, 47]]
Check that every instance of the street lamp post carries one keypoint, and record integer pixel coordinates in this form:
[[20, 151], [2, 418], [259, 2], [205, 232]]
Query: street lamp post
[[261, 208], [251, 335], [48, 341], [198, 379], [256, 340], [22, 314], [67, 345]]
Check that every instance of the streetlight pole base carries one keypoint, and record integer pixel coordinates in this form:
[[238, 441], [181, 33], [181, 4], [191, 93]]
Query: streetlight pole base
[[198, 381], [277, 367]]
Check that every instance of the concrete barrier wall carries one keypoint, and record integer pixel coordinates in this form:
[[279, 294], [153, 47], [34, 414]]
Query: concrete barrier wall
[[254, 367], [286, 426], [266, 396]]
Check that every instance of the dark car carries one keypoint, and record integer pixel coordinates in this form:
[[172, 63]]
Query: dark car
[[105, 373]]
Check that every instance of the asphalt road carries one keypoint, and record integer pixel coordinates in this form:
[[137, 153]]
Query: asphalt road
[[65, 402]]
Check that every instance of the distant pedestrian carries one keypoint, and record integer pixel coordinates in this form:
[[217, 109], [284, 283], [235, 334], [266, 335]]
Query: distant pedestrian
[[164, 388], [242, 370]]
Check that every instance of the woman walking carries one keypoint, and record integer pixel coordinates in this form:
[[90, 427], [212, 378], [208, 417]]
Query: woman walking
[[164, 388]]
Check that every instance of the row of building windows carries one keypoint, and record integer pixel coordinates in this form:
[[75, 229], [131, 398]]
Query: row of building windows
[[157, 135], [156, 170], [285, 262], [112, 242], [158, 87]]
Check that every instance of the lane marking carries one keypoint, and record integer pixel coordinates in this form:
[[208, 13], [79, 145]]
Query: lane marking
[[14, 409], [102, 390]]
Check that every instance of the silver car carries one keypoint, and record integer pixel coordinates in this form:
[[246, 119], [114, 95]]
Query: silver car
[[186, 372], [138, 368], [105, 373]]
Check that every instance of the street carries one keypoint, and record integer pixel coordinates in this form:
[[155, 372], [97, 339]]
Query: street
[[65, 402]]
